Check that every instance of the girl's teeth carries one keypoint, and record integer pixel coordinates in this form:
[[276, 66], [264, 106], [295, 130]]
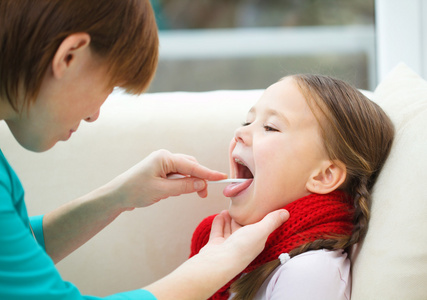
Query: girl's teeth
[[239, 161]]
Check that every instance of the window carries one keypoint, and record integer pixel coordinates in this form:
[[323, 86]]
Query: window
[[223, 44]]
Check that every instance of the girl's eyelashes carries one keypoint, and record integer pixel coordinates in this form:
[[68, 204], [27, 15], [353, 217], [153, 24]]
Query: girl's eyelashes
[[269, 128], [266, 127]]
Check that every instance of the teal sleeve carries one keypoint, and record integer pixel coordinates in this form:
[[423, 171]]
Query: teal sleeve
[[37, 225], [26, 271]]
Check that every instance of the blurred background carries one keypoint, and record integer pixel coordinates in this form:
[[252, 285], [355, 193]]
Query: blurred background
[[250, 44]]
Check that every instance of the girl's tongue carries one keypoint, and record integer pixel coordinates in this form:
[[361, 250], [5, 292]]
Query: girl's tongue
[[234, 189]]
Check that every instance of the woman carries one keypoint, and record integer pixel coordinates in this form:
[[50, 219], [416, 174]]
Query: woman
[[59, 60]]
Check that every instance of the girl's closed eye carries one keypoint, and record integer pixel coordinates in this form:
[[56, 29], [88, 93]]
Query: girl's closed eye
[[246, 123], [270, 128]]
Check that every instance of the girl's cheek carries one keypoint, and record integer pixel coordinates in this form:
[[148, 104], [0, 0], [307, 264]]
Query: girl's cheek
[[230, 159], [232, 145]]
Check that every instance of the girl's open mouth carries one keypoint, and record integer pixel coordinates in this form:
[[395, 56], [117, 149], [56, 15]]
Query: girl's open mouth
[[241, 171]]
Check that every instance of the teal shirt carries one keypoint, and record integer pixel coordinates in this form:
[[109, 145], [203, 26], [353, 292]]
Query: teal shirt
[[26, 271]]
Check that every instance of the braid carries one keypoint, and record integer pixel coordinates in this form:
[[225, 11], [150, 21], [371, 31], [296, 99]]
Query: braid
[[330, 244], [246, 287], [362, 205]]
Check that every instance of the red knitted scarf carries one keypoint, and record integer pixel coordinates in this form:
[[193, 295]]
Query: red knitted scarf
[[312, 217]]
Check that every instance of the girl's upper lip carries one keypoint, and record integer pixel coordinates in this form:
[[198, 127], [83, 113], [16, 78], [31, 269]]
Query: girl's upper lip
[[237, 158]]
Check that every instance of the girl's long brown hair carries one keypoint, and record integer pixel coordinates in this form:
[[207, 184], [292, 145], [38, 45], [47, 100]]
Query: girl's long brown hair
[[123, 33], [357, 132]]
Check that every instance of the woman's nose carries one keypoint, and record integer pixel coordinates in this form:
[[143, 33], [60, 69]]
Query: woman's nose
[[243, 135], [93, 117]]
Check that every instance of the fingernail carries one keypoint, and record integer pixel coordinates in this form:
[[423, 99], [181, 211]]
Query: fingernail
[[199, 185], [284, 215]]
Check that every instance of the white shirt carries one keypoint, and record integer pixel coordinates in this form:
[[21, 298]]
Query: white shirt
[[319, 275]]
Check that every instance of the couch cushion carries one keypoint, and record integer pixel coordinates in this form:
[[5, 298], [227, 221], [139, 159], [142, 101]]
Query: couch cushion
[[391, 263]]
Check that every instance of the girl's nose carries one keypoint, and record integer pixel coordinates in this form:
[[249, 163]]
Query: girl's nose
[[243, 135], [93, 117]]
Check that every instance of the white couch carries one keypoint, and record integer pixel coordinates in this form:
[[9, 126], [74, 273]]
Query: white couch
[[143, 245]]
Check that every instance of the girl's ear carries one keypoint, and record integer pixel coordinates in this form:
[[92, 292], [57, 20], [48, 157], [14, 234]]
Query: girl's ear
[[329, 177], [69, 51]]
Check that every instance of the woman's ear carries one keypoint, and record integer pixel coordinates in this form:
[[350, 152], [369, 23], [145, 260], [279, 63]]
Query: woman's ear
[[329, 177], [69, 51]]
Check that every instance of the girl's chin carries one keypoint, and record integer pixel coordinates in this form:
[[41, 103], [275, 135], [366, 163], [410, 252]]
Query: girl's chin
[[241, 218], [234, 214]]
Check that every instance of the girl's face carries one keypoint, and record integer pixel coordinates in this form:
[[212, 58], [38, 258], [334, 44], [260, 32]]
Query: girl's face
[[280, 147], [60, 107]]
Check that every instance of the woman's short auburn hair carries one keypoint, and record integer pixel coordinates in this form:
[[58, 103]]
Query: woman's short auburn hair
[[123, 33]]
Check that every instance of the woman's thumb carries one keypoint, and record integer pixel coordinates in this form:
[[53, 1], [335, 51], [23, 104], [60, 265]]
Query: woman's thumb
[[273, 220]]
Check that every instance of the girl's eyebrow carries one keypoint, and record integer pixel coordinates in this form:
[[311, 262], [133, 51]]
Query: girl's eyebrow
[[273, 112], [278, 114]]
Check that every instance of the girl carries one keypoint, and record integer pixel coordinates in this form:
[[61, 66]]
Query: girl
[[59, 60], [313, 145]]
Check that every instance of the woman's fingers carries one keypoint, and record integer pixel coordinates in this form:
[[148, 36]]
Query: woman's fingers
[[188, 166]]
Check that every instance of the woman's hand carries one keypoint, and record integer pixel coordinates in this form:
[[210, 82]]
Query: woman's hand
[[245, 242], [229, 250], [147, 182]]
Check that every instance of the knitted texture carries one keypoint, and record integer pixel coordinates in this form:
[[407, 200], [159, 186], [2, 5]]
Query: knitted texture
[[312, 217]]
